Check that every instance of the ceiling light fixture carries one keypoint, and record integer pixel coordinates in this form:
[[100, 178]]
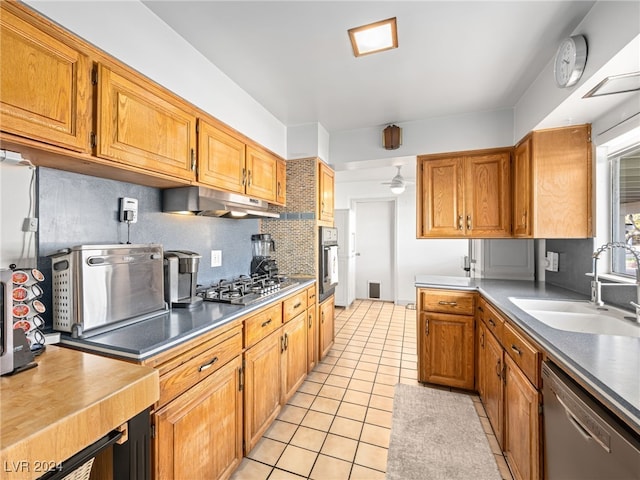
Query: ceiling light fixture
[[374, 37], [628, 82]]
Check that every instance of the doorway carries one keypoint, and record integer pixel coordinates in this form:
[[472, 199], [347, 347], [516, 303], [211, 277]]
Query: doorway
[[376, 249]]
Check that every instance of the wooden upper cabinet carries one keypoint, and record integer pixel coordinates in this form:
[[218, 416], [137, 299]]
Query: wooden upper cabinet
[[45, 82], [488, 195], [466, 194], [522, 197], [261, 174], [326, 187], [281, 182], [553, 196], [221, 158], [142, 126], [441, 199]]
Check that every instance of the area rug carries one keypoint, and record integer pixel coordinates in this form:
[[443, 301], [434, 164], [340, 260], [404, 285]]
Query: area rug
[[437, 434]]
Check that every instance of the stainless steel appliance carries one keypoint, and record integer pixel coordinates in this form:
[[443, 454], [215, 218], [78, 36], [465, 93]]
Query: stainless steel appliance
[[180, 278], [262, 245], [582, 440], [98, 286], [245, 290], [214, 203], [328, 257]]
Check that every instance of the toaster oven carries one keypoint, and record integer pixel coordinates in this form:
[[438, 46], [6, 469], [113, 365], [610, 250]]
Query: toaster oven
[[100, 287]]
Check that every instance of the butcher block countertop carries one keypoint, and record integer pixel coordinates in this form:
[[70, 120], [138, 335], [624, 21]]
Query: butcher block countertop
[[70, 400]]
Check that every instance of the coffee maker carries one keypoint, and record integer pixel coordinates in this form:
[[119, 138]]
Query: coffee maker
[[262, 264], [180, 278]]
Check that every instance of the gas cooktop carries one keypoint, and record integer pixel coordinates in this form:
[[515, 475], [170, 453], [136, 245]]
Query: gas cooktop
[[244, 290]]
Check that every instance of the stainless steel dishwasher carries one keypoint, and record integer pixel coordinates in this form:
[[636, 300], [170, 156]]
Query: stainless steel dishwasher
[[583, 440]]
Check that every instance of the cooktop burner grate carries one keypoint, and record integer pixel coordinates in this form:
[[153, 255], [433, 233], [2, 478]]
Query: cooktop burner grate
[[244, 289]]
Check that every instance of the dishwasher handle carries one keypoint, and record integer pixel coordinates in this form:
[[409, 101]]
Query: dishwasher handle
[[580, 426]]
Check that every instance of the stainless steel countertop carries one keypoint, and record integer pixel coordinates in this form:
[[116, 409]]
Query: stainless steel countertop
[[606, 365], [149, 337]]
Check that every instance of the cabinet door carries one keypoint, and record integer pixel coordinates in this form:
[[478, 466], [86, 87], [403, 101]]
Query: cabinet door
[[220, 159], [261, 174], [326, 193], [522, 212], [522, 424], [262, 387], [294, 357], [281, 182], [326, 326], [312, 338], [45, 84], [492, 394], [142, 126], [441, 199], [199, 434], [447, 358], [488, 195]]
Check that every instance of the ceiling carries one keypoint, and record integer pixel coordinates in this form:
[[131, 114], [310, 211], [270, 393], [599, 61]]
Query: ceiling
[[454, 57]]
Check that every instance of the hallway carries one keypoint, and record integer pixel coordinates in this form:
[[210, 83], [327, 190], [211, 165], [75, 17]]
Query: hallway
[[337, 425]]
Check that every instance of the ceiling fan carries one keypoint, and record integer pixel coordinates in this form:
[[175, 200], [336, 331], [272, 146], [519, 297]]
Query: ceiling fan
[[398, 183]]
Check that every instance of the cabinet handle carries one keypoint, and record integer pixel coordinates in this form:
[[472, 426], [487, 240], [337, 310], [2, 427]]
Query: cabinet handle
[[524, 218], [310, 320], [442, 302], [482, 339], [492, 323], [249, 178], [516, 349], [297, 305], [460, 224], [286, 341], [208, 365], [279, 189], [481, 309], [426, 326], [322, 315], [281, 344], [193, 160], [468, 222], [499, 369], [312, 296], [264, 324], [244, 177]]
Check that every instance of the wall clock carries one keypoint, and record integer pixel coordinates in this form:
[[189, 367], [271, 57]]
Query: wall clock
[[570, 60]]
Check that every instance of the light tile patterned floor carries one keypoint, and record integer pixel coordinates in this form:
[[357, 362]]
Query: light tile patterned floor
[[337, 425]]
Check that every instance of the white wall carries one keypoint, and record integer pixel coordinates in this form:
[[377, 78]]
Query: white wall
[[16, 246], [443, 134], [130, 32], [609, 27], [434, 257]]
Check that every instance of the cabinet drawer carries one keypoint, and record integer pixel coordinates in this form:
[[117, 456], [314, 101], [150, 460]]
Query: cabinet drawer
[[494, 321], [311, 295], [294, 306], [262, 324], [522, 353], [202, 365], [447, 301]]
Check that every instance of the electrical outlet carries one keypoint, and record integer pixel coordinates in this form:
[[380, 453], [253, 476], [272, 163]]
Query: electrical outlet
[[30, 224], [216, 258], [551, 262]]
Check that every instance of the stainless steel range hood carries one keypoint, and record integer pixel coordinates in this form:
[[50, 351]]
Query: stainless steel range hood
[[213, 203]]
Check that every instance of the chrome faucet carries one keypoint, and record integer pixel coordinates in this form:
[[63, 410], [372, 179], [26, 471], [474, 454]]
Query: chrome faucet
[[596, 285]]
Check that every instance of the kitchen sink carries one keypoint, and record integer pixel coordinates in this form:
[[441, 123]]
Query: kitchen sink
[[580, 316]]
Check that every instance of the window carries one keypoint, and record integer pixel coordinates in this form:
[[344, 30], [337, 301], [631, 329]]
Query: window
[[625, 208]]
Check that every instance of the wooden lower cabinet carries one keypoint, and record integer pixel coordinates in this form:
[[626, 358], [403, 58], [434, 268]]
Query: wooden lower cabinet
[[522, 423], [262, 387], [294, 356], [492, 364], [199, 434], [326, 311], [446, 354]]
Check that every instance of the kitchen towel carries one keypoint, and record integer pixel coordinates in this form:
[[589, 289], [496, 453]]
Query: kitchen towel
[[436, 434]]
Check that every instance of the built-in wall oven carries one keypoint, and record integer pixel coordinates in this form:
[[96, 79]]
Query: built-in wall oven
[[328, 257]]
